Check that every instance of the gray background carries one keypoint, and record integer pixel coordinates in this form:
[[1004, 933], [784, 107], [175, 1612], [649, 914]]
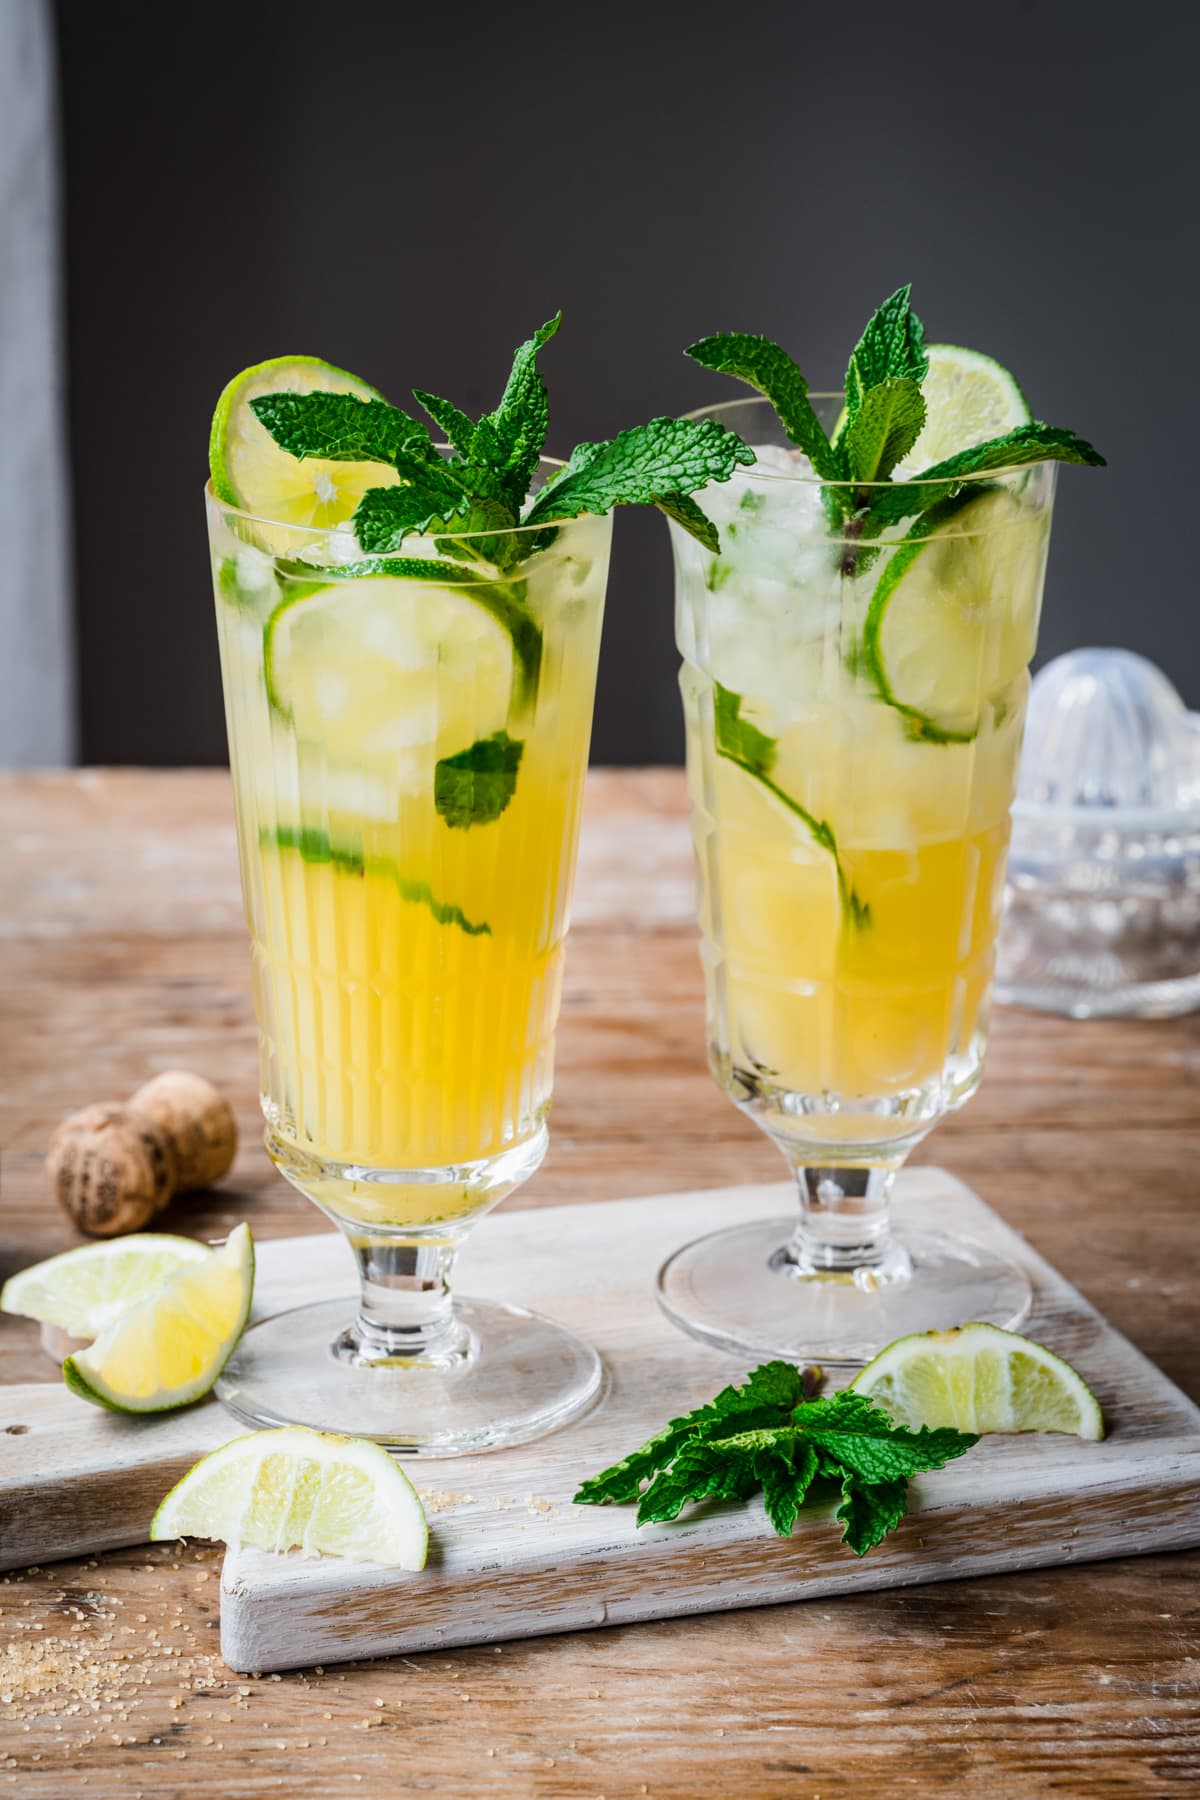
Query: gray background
[[408, 192]]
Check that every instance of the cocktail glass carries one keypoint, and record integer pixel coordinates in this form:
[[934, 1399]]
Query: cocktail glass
[[408, 763], [854, 715]]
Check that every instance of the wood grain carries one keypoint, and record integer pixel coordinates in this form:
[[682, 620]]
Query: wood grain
[[122, 953]]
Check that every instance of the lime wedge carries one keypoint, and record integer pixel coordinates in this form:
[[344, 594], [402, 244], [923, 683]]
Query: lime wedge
[[169, 1349], [250, 471], [979, 1378], [296, 1489], [84, 1291], [954, 617], [969, 399], [382, 664]]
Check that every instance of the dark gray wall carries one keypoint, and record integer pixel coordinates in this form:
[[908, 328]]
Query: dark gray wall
[[408, 191]]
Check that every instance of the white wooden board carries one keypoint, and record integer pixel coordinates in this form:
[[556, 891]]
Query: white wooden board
[[512, 1557]]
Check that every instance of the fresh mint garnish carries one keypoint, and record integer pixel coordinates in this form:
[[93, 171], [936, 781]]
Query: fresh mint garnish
[[884, 416], [770, 1435], [658, 464], [884, 428], [770, 369], [455, 424], [339, 427], [474, 786], [891, 347], [740, 741], [1029, 443], [314, 846], [475, 498]]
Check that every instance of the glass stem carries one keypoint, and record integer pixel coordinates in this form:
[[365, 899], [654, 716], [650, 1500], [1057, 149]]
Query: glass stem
[[844, 1223], [406, 1310]]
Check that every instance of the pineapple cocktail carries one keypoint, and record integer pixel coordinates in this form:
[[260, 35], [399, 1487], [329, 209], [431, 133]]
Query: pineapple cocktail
[[854, 679], [409, 633]]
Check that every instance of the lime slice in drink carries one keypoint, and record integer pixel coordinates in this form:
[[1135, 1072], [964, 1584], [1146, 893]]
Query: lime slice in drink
[[979, 1378], [953, 620], [84, 1291], [296, 1489], [380, 664], [169, 1349], [250, 471], [969, 399]]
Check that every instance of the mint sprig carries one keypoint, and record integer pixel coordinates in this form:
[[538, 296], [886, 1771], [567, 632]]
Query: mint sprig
[[771, 1435], [740, 741], [475, 499], [883, 418]]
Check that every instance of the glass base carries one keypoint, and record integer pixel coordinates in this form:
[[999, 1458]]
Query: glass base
[[742, 1290], [509, 1376]]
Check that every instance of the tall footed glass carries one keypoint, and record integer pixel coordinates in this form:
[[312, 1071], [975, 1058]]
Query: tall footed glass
[[408, 761], [854, 712]]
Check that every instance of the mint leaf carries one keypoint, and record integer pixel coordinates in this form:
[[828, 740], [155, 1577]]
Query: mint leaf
[[741, 742], [893, 344], [868, 1513], [884, 429], [459, 429], [786, 1474], [861, 1438], [737, 738], [318, 847], [760, 1437], [770, 369], [683, 509], [474, 786], [340, 427], [433, 502], [509, 441], [704, 1469], [647, 465], [772, 1390], [1029, 443]]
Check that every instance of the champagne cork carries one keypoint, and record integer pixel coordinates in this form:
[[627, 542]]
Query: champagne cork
[[114, 1167]]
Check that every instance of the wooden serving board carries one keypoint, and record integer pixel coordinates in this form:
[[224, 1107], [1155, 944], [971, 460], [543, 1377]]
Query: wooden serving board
[[512, 1557]]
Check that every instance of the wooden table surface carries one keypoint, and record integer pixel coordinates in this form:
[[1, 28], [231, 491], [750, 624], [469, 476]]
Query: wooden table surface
[[122, 952]]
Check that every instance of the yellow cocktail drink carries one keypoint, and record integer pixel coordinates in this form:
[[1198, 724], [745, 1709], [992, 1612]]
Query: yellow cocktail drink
[[408, 764], [853, 724]]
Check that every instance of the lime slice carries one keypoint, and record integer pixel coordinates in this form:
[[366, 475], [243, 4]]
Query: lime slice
[[979, 1378], [954, 617], [296, 1489], [84, 1291], [381, 664], [249, 469], [969, 399], [169, 1349]]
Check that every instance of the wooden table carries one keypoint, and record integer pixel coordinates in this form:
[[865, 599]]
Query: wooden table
[[122, 952]]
